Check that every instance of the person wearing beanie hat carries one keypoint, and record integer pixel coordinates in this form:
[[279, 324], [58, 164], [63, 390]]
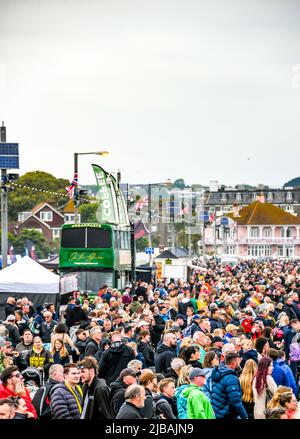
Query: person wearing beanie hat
[[198, 404]]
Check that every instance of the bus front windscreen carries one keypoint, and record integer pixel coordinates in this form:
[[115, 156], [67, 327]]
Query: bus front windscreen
[[86, 238]]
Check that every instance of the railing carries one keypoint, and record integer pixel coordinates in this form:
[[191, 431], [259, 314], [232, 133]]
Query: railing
[[254, 241]]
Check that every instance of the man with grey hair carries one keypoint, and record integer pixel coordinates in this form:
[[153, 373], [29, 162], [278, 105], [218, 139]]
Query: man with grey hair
[[174, 371], [134, 402], [47, 327], [92, 346], [165, 353], [41, 400]]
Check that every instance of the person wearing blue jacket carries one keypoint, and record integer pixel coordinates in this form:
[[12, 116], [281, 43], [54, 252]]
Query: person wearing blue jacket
[[226, 393], [278, 374], [289, 377]]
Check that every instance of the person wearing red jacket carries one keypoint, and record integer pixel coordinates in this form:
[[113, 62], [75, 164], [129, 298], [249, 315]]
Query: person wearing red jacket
[[247, 322], [13, 385]]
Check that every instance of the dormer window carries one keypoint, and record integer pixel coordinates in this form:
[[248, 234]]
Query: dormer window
[[46, 216]]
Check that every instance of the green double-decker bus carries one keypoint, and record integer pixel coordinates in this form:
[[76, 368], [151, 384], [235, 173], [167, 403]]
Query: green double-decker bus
[[92, 255]]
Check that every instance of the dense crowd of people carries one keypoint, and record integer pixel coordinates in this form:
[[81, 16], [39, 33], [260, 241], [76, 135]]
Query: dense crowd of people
[[223, 345]]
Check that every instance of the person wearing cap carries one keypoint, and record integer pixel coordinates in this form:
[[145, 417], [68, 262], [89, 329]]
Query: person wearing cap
[[226, 393], [127, 377], [179, 320], [231, 331], [13, 332], [198, 404]]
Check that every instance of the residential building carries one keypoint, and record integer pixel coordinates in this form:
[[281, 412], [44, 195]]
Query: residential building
[[257, 230]]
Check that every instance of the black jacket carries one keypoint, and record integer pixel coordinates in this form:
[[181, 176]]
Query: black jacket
[[148, 411], [114, 360], [9, 309], [118, 389], [147, 352], [129, 411], [289, 310], [170, 373], [41, 399], [92, 348], [75, 315], [81, 345], [99, 403], [157, 329], [13, 334], [167, 407], [163, 357], [46, 331]]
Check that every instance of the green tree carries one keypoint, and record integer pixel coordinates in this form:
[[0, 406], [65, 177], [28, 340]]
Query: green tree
[[22, 199], [41, 245], [141, 244], [88, 212]]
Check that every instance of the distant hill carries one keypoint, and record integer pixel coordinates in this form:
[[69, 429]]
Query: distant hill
[[295, 182]]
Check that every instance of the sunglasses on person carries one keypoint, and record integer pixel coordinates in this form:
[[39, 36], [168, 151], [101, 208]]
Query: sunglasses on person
[[17, 375]]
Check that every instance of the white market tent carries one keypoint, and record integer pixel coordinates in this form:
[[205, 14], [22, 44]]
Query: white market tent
[[27, 277]]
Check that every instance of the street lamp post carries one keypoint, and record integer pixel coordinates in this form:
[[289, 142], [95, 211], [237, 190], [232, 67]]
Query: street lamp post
[[76, 192]]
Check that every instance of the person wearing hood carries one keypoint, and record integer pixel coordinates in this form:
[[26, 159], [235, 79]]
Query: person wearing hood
[[226, 393], [115, 358], [289, 377], [198, 405], [127, 377], [165, 353]]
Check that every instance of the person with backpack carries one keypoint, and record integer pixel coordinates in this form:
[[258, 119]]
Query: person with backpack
[[165, 406], [42, 398]]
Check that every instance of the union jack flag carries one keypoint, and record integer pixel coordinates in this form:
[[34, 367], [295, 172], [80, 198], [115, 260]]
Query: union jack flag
[[141, 203], [71, 189]]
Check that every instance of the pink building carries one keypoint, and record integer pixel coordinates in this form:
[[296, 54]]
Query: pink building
[[260, 230]]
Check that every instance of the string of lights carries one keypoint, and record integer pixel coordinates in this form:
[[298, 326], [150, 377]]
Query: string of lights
[[13, 186]]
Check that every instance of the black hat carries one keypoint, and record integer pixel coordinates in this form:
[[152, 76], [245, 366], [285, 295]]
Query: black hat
[[216, 339], [179, 316]]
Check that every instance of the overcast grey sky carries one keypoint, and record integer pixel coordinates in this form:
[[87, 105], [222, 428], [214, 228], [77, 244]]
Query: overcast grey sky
[[200, 90]]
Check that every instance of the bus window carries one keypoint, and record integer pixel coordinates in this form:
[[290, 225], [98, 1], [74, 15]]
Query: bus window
[[73, 238], [123, 245], [98, 238]]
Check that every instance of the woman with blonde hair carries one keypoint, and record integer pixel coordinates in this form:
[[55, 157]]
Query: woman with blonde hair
[[285, 398], [186, 342], [182, 383], [246, 380], [60, 353]]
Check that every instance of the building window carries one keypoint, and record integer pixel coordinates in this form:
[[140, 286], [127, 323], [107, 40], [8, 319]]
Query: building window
[[259, 251], [289, 208], [285, 251], [267, 232], [230, 249], [270, 197], [254, 195], [289, 197], [46, 216], [254, 232], [69, 218], [238, 197], [55, 233], [223, 198]]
